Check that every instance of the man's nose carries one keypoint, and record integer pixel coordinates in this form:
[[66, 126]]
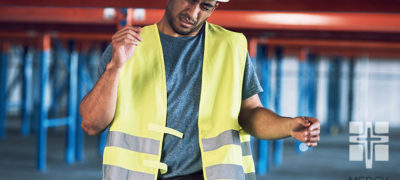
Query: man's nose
[[193, 11]]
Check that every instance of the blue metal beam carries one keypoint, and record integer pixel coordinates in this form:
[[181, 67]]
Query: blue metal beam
[[54, 80], [307, 93], [70, 120], [62, 53], [13, 83], [264, 63], [351, 89], [73, 98], [334, 94], [103, 135], [278, 144], [3, 88], [58, 88], [299, 146], [54, 122], [102, 141], [81, 93], [42, 135], [312, 85], [27, 92]]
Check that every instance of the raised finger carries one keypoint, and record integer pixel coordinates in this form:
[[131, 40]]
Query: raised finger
[[314, 126], [129, 34], [133, 28], [304, 137], [315, 132], [126, 30], [128, 41], [311, 119], [303, 121], [124, 41], [314, 139], [126, 33]]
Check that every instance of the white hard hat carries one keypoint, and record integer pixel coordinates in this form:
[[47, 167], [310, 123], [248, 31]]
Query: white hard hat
[[223, 0]]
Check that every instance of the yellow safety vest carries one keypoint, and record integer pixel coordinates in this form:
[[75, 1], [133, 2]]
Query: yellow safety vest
[[134, 143]]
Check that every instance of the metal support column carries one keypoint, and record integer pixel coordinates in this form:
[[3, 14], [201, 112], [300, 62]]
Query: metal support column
[[351, 89], [334, 96], [72, 105], [103, 136], [27, 92], [312, 85], [307, 92], [42, 134], [299, 146], [70, 120], [85, 83], [58, 88], [81, 93], [3, 89], [278, 144], [36, 90], [264, 63]]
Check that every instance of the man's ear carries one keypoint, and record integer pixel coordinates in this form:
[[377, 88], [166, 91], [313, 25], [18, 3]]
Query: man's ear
[[215, 7]]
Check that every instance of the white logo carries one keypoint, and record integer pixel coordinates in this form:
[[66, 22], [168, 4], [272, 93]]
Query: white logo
[[369, 142]]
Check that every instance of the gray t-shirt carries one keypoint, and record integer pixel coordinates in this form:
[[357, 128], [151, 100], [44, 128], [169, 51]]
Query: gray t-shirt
[[183, 58]]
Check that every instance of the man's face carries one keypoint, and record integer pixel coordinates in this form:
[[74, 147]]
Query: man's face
[[187, 16]]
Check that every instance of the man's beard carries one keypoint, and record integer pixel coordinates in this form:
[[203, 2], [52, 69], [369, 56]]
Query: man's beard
[[171, 21]]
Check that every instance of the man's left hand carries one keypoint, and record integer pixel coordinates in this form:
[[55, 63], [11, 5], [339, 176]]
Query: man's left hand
[[306, 129]]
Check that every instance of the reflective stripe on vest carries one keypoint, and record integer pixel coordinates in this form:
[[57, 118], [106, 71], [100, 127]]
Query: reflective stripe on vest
[[133, 148], [133, 143], [117, 173]]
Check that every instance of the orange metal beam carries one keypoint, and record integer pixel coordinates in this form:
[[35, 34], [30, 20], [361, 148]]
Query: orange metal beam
[[262, 20], [84, 36], [25, 37], [46, 42], [350, 52], [270, 5], [55, 15], [391, 54], [255, 20], [332, 43], [342, 52], [365, 22], [252, 47]]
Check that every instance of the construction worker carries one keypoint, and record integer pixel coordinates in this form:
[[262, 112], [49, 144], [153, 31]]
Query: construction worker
[[180, 100]]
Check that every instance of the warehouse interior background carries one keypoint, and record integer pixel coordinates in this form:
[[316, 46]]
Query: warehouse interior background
[[336, 60]]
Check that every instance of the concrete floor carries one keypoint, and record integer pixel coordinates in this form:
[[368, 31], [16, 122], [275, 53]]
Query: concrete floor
[[329, 161], [18, 157]]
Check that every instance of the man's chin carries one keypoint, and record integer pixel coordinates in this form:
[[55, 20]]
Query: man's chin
[[184, 32]]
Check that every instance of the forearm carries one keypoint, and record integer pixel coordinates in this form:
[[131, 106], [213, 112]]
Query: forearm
[[262, 123], [97, 108]]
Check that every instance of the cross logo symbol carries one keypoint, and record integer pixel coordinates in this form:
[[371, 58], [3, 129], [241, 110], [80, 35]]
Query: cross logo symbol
[[368, 142]]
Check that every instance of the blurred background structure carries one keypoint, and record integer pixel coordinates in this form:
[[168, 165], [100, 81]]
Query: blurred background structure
[[337, 60]]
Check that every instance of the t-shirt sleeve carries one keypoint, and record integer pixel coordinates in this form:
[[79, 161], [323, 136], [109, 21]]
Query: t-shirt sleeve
[[251, 84], [104, 60]]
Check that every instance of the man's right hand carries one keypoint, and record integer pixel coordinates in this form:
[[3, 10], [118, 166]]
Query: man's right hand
[[97, 108], [124, 42]]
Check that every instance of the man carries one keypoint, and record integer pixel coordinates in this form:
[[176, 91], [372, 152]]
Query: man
[[180, 98]]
